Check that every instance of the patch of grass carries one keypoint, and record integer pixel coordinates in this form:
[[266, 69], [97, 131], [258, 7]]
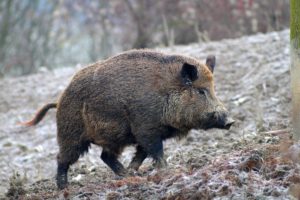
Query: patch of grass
[[16, 186]]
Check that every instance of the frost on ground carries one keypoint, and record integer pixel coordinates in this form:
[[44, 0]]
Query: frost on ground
[[248, 162]]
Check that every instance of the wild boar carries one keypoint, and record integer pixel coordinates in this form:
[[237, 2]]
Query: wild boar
[[139, 97]]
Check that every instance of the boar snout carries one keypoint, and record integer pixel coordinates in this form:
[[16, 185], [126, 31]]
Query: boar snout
[[219, 120], [223, 121], [222, 118], [229, 121]]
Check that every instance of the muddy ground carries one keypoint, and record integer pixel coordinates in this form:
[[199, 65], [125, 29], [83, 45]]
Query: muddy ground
[[250, 161]]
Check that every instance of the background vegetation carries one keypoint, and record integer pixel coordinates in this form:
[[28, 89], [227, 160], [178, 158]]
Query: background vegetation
[[57, 33]]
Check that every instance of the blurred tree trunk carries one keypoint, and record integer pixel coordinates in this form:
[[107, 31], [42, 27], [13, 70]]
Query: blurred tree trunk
[[139, 16], [101, 46], [295, 65], [4, 28]]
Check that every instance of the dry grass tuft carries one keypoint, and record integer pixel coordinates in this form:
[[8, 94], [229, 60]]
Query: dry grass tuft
[[16, 186]]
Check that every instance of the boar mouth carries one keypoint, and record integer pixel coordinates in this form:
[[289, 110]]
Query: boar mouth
[[229, 123], [221, 123]]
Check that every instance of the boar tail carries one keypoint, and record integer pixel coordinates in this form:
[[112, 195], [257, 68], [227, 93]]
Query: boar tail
[[39, 115]]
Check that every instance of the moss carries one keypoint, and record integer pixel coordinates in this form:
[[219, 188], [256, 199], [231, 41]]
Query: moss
[[295, 65], [295, 23]]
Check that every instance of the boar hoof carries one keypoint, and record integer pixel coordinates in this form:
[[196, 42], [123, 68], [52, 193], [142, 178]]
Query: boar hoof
[[133, 172], [121, 173], [62, 183], [120, 177], [134, 166], [160, 163]]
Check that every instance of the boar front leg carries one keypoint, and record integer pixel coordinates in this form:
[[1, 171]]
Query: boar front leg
[[138, 158], [152, 143], [111, 160]]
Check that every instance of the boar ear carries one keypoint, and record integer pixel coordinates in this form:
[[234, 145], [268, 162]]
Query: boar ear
[[189, 73], [211, 62]]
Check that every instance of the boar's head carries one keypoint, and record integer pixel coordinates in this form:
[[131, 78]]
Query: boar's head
[[194, 103]]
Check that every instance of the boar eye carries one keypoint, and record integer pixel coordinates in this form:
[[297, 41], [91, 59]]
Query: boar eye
[[202, 91]]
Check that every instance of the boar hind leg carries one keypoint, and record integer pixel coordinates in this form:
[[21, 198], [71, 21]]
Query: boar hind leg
[[62, 175], [68, 154], [138, 159], [111, 160]]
